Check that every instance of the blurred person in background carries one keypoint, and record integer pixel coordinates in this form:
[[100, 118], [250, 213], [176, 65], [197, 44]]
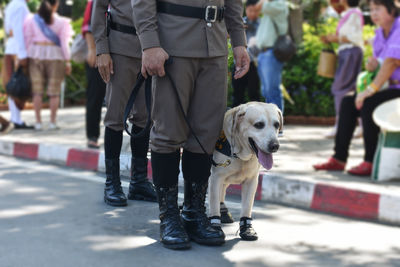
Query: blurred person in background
[[349, 35], [273, 23], [249, 82], [15, 55], [386, 57], [47, 36], [96, 88]]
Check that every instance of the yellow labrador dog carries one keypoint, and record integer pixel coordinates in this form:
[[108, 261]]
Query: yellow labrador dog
[[250, 137]]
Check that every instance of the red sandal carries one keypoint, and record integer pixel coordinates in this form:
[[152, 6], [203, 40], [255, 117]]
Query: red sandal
[[364, 169], [331, 165]]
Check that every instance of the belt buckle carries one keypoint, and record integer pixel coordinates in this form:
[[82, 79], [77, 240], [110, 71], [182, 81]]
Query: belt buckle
[[211, 13]]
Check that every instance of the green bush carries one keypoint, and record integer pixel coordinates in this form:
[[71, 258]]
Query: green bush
[[78, 8], [310, 92], [33, 5]]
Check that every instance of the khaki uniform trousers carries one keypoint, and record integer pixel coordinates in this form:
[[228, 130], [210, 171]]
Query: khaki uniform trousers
[[202, 88], [118, 91]]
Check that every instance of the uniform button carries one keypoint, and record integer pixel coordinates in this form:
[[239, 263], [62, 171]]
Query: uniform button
[[209, 24]]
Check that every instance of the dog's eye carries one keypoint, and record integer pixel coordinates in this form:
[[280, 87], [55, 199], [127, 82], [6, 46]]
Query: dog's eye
[[259, 125], [276, 125]]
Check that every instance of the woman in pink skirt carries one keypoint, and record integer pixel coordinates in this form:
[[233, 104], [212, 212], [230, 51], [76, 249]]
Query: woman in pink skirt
[[47, 36]]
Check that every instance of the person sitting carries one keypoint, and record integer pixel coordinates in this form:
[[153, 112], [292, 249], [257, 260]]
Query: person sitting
[[387, 56]]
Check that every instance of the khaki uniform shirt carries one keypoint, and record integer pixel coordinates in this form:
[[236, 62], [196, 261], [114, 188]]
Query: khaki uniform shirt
[[117, 42], [189, 37]]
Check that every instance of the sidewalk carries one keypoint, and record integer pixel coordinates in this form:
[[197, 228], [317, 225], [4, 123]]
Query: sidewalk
[[292, 181]]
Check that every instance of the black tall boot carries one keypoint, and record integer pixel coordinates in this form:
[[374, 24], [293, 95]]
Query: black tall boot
[[172, 233], [113, 194], [165, 175], [140, 188], [196, 170]]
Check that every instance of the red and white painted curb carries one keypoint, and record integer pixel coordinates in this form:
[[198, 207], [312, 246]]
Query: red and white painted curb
[[331, 199], [271, 187], [86, 159]]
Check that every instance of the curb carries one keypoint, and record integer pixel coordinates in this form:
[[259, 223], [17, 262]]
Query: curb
[[331, 199], [272, 187]]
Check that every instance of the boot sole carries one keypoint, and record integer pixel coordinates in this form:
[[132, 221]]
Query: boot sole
[[141, 197], [115, 204], [249, 238], [180, 246], [209, 242]]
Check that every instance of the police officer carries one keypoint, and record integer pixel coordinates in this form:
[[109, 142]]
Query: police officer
[[194, 34], [119, 60]]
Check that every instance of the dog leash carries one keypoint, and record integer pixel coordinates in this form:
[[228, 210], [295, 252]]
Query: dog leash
[[131, 101]]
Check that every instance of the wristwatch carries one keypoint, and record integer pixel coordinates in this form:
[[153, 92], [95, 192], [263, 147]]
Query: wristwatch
[[372, 89]]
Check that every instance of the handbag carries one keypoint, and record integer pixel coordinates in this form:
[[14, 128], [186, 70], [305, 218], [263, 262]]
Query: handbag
[[327, 63], [284, 47], [19, 85], [79, 49]]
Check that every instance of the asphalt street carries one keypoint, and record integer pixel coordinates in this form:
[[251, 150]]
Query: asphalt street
[[54, 216]]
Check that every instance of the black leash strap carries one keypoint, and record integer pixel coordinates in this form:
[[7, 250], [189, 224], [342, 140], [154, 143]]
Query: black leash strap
[[131, 101], [210, 157]]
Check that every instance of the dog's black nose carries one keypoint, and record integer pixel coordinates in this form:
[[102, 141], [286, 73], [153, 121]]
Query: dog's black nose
[[273, 146]]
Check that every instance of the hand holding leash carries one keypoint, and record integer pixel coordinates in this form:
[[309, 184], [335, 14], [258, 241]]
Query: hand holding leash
[[153, 62]]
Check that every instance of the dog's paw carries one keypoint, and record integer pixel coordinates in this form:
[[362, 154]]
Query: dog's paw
[[226, 216], [247, 231]]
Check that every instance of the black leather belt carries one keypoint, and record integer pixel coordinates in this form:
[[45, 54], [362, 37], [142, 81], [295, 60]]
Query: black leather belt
[[208, 13], [122, 28]]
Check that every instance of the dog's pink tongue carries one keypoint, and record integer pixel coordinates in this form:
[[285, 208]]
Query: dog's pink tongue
[[265, 159]]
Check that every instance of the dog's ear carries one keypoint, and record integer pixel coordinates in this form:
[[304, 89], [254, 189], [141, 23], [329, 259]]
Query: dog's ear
[[233, 118], [280, 117], [240, 116], [230, 114]]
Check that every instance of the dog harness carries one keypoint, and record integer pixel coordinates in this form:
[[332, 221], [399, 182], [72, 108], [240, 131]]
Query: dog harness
[[223, 146]]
